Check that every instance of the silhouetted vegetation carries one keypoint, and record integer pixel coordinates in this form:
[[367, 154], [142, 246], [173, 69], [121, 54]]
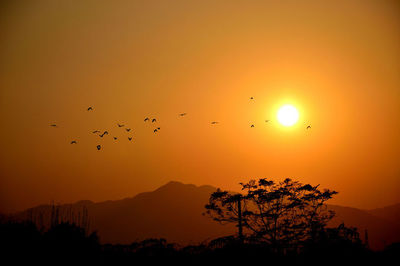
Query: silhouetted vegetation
[[277, 223], [46, 218], [284, 215], [64, 242], [67, 243]]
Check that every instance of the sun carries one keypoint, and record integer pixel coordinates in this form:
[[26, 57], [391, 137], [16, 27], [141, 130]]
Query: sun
[[288, 115]]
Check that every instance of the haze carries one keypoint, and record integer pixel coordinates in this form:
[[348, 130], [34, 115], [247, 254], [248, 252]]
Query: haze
[[338, 62]]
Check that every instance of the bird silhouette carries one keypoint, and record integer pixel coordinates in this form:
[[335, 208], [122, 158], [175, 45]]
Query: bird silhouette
[[146, 119], [98, 147], [153, 120], [53, 125], [155, 130], [158, 128], [96, 131], [115, 138], [120, 125], [73, 142], [183, 114], [252, 126], [251, 98], [308, 127], [90, 108], [214, 123], [129, 138], [104, 133], [127, 129], [267, 121]]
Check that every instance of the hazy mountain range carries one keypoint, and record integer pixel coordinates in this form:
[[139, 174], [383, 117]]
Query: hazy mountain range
[[175, 212]]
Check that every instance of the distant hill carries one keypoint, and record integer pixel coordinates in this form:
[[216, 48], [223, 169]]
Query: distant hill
[[174, 211], [389, 213], [381, 231]]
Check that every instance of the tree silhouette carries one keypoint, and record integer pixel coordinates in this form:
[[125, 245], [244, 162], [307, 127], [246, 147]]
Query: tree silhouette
[[225, 207], [283, 214]]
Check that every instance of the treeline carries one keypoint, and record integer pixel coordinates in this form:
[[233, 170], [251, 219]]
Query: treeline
[[62, 242], [284, 222], [47, 216], [22, 242]]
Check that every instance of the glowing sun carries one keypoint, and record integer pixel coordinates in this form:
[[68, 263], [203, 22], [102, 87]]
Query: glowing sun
[[288, 115]]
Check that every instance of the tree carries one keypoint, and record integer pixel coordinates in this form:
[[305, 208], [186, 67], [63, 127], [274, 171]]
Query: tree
[[283, 214], [224, 207]]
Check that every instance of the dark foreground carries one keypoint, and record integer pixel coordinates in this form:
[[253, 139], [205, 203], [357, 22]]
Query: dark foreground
[[69, 244]]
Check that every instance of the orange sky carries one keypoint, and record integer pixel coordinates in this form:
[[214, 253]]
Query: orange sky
[[338, 62]]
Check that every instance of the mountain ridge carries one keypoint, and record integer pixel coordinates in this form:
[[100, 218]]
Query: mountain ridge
[[175, 211]]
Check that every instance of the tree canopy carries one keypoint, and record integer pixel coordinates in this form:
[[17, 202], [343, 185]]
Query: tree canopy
[[285, 213]]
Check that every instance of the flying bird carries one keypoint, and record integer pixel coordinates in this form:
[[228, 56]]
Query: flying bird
[[153, 120], [98, 147], [155, 130], [146, 119], [129, 138], [183, 114], [214, 123], [115, 138], [120, 125], [251, 98], [158, 128], [127, 129], [104, 133], [96, 131], [73, 142], [53, 125], [252, 126], [267, 121], [90, 108], [308, 127]]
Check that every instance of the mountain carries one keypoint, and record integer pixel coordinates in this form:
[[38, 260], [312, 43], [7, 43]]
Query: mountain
[[175, 212], [381, 232], [389, 213]]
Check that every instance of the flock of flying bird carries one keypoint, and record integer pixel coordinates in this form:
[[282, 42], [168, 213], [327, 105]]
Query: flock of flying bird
[[147, 119], [102, 134]]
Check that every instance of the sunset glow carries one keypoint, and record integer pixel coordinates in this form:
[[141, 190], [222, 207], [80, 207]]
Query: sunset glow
[[200, 131], [102, 100], [288, 115]]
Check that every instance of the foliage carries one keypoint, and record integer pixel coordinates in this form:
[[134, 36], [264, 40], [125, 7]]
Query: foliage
[[22, 243], [283, 214]]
